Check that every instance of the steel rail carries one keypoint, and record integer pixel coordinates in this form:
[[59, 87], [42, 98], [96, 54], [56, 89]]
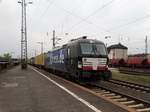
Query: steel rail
[[123, 97], [131, 85]]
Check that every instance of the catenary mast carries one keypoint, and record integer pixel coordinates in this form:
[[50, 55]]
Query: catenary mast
[[23, 34]]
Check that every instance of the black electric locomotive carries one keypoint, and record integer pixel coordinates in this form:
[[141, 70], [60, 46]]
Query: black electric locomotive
[[81, 58]]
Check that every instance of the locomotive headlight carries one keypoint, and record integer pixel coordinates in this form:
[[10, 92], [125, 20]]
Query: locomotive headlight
[[79, 64]]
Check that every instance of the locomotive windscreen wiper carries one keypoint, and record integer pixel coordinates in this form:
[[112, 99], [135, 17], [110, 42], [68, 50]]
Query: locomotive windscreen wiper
[[93, 49]]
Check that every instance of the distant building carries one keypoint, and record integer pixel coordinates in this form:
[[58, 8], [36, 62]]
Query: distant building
[[117, 52]]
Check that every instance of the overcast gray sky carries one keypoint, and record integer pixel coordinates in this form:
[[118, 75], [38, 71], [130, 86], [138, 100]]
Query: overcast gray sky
[[127, 21]]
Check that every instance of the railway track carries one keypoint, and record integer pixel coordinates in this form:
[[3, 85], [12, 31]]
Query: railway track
[[137, 87], [131, 102], [135, 71], [139, 105]]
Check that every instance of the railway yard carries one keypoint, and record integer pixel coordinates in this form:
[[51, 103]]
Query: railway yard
[[74, 56], [36, 90], [72, 78]]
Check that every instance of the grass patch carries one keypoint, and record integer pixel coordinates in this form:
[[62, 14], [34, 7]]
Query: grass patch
[[138, 79]]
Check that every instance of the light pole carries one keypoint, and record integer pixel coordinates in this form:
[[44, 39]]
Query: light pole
[[24, 34], [106, 37], [55, 39], [146, 45]]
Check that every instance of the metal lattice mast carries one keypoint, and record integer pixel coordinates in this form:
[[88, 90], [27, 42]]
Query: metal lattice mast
[[54, 39], [24, 35]]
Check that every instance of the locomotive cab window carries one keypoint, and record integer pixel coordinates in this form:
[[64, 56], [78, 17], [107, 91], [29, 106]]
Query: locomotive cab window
[[87, 48], [91, 49], [100, 49]]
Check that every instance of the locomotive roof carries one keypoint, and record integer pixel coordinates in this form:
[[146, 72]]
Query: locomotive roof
[[85, 40], [78, 40]]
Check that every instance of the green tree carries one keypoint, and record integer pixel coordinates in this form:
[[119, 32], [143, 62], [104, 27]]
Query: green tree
[[7, 56]]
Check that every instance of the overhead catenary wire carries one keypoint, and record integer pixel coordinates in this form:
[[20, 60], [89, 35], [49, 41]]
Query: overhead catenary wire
[[87, 21], [36, 7], [128, 23], [82, 19], [50, 3], [92, 14], [44, 12]]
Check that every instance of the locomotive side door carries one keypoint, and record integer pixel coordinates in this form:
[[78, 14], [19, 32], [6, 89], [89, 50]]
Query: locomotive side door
[[68, 60], [71, 62]]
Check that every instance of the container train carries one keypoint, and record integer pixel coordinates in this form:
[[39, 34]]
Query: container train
[[137, 60], [79, 59]]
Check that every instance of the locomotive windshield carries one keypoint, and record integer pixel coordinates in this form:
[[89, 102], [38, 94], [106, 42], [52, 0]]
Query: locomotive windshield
[[87, 48], [93, 49]]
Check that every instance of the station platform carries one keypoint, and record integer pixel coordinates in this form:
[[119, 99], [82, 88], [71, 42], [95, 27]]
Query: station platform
[[29, 91]]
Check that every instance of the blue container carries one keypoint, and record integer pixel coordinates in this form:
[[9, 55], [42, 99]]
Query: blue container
[[55, 60]]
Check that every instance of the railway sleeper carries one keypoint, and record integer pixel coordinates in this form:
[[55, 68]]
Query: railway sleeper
[[128, 102], [143, 110], [136, 105], [114, 97], [120, 99], [110, 94], [106, 92]]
